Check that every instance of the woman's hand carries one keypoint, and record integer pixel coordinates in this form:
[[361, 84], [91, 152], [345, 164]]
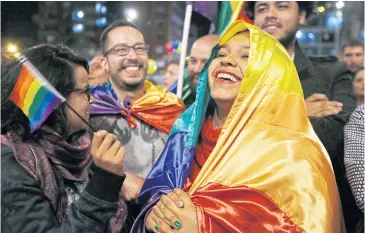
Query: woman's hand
[[107, 152], [156, 224], [175, 212]]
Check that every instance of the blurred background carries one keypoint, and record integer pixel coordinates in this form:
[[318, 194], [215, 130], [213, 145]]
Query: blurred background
[[79, 25]]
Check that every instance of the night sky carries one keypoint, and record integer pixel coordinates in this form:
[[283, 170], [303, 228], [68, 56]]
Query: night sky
[[16, 13]]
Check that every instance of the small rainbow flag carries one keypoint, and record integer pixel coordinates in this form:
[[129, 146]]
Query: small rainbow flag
[[34, 95]]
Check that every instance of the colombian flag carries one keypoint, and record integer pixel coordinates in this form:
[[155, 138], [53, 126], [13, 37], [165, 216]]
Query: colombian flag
[[34, 95]]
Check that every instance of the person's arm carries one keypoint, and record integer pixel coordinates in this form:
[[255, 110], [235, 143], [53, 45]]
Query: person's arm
[[330, 129], [354, 157], [25, 209], [132, 186]]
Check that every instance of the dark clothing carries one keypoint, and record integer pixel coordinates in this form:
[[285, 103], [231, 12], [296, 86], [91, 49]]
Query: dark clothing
[[326, 75], [26, 209]]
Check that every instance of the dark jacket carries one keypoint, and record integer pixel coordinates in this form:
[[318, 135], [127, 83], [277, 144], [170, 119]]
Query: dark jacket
[[326, 75], [25, 209]]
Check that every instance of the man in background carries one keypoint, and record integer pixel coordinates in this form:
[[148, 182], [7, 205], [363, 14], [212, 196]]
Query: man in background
[[139, 113], [353, 55], [171, 76]]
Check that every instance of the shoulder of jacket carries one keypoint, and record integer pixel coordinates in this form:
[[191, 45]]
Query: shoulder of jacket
[[321, 59], [331, 65]]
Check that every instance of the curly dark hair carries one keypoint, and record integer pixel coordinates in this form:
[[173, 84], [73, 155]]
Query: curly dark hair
[[56, 63], [307, 6]]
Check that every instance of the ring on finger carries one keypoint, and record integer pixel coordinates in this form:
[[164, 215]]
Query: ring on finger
[[180, 204]]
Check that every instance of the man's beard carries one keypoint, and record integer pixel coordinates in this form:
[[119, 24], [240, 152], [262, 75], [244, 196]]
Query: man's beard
[[133, 86], [127, 86], [289, 38]]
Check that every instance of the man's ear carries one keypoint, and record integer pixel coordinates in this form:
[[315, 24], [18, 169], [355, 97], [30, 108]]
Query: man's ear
[[104, 64], [302, 17]]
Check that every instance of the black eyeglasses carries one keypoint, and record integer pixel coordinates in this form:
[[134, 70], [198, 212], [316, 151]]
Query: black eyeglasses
[[86, 90], [123, 49]]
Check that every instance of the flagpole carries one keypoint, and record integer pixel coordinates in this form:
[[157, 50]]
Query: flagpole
[[184, 45]]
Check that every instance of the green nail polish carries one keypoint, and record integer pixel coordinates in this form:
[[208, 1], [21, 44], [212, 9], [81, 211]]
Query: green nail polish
[[157, 228], [177, 224]]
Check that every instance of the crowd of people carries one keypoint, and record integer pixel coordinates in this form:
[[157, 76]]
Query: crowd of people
[[266, 140]]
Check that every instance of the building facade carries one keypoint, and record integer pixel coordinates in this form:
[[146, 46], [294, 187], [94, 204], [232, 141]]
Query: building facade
[[76, 24]]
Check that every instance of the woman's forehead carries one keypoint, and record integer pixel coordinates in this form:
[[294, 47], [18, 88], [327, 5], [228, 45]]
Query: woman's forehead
[[241, 39]]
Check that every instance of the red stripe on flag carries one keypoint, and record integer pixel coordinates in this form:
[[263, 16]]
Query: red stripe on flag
[[20, 90], [253, 211]]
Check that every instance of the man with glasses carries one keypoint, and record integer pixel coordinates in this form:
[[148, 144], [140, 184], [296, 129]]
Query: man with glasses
[[131, 107]]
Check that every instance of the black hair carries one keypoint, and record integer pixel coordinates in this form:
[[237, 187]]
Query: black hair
[[113, 25], [307, 6], [56, 63], [353, 43]]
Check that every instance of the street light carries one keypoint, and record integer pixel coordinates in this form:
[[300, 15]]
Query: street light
[[131, 13], [321, 9], [80, 14], [340, 4], [299, 34], [12, 48]]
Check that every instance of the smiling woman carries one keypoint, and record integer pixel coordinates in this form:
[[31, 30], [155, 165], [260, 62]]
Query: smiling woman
[[48, 182], [226, 72], [243, 166]]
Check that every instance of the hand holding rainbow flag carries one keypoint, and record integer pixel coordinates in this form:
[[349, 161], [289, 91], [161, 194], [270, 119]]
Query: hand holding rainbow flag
[[35, 96]]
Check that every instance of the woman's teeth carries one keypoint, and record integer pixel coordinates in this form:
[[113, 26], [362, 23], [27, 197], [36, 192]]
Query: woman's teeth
[[225, 76]]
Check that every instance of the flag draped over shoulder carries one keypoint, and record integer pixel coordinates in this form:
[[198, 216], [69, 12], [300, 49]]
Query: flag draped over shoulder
[[268, 172], [156, 107], [34, 95]]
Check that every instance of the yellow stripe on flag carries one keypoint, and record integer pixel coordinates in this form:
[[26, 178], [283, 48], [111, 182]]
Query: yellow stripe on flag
[[32, 91], [236, 7]]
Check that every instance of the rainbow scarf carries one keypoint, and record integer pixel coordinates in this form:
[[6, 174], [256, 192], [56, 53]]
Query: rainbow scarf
[[269, 171], [34, 95], [156, 107]]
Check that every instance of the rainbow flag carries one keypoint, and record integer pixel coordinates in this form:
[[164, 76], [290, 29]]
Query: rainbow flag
[[34, 95], [231, 11], [265, 173]]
